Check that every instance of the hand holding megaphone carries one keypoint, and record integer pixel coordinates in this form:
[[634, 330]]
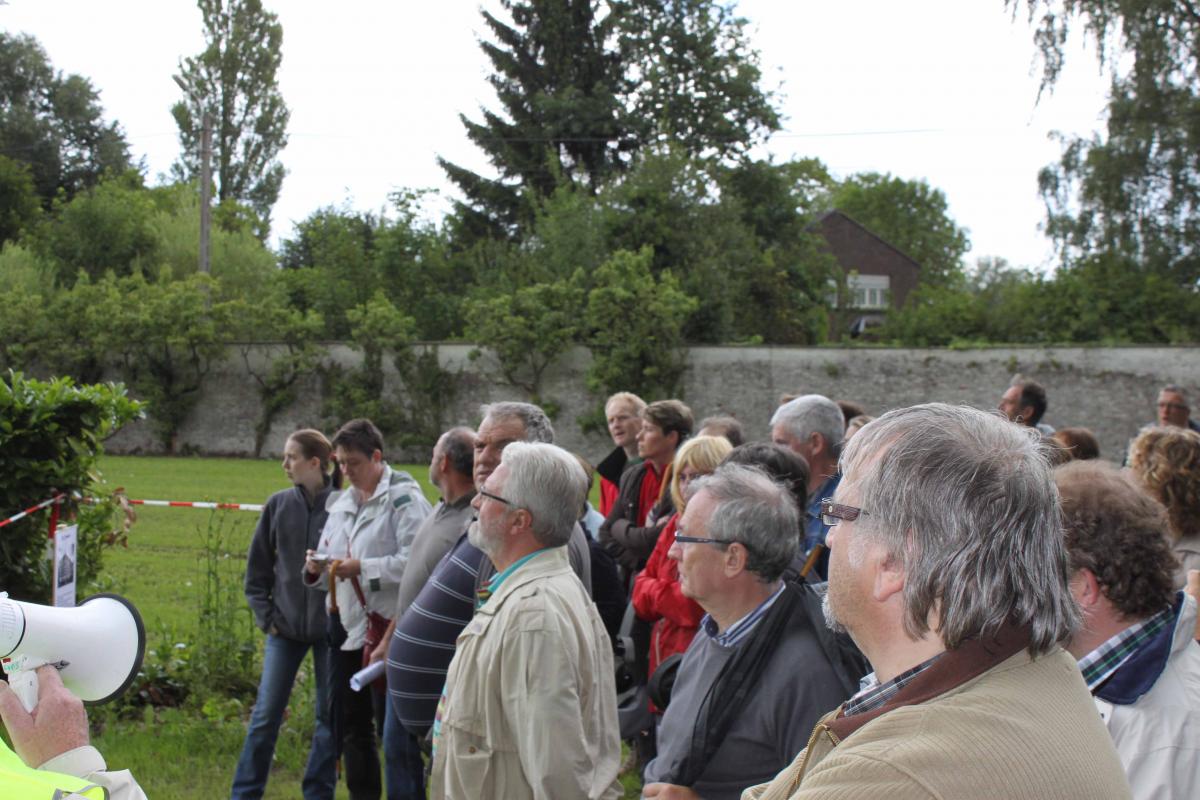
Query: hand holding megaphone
[[97, 647]]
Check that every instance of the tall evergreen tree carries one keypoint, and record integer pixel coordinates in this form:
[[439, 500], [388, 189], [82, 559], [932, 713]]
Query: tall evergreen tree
[[235, 80], [557, 77], [583, 86]]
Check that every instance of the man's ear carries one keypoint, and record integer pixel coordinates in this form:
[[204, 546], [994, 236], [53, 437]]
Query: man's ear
[[889, 574], [377, 456], [736, 556], [1085, 587]]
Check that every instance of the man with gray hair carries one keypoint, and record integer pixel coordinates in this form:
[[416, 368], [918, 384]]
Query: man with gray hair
[[419, 652], [948, 570], [529, 709], [1172, 408], [761, 670], [812, 426]]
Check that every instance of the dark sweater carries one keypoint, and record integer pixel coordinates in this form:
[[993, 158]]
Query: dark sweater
[[796, 688], [275, 588]]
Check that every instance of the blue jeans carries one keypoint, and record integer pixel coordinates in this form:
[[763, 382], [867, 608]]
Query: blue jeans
[[402, 765], [280, 663]]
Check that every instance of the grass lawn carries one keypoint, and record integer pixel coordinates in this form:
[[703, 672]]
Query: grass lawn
[[173, 554]]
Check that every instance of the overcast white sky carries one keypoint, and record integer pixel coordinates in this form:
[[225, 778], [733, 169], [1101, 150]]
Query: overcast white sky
[[942, 90]]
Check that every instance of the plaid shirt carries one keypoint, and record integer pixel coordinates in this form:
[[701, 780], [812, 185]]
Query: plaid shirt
[[1098, 665], [739, 630], [875, 695]]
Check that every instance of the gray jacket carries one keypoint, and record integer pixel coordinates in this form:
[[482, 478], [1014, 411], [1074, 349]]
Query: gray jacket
[[281, 603]]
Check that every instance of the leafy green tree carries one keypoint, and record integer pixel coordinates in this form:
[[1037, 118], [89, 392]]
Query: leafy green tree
[[527, 330], [693, 78], [1132, 192], [909, 214], [165, 337], [105, 228], [18, 200], [54, 123], [234, 78], [279, 347], [50, 444], [329, 265], [241, 263], [635, 324]]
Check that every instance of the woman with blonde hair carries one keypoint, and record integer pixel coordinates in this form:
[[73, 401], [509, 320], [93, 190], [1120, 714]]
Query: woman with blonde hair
[[657, 597], [1166, 461]]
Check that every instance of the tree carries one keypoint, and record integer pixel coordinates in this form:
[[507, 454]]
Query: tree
[[527, 330], [693, 78], [1133, 192], [556, 78], [18, 200], [106, 228], [910, 215], [583, 87], [54, 123], [234, 79], [635, 328]]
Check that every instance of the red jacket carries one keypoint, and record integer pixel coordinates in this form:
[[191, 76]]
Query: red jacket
[[657, 598]]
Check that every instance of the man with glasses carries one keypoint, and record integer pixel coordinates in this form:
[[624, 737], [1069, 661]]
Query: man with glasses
[[948, 569], [1173, 408], [758, 673], [529, 709]]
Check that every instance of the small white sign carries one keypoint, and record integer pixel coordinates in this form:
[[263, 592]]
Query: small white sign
[[66, 557]]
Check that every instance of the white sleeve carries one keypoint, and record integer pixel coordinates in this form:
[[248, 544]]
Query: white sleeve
[[87, 763]]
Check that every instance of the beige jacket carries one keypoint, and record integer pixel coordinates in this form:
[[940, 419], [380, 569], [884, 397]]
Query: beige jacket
[[530, 709], [1023, 729]]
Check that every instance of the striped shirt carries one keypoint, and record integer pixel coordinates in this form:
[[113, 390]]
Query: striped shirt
[[740, 629], [1098, 665], [877, 694], [422, 647]]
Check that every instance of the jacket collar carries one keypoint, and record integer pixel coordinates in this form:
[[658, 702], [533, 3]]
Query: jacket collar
[[1142, 670], [552, 562], [953, 669], [344, 500]]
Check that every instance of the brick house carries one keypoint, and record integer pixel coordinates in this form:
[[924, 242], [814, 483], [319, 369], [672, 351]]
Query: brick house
[[879, 275]]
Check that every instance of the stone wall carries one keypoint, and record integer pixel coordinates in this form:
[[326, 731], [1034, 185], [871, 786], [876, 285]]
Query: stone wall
[[1111, 390]]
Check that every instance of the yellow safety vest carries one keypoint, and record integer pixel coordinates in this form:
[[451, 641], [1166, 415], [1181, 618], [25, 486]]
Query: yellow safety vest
[[19, 782]]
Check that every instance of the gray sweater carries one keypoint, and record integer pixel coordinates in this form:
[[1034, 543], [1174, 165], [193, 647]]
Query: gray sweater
[[281, 603], [797, 687]]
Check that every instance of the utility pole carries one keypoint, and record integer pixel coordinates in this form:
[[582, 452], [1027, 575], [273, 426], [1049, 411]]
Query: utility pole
[[205, 175], [205, 191]]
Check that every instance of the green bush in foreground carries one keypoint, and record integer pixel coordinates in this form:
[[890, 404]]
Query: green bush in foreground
[[50, 439]]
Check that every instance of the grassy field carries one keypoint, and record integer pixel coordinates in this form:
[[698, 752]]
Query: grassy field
[[172, 557]]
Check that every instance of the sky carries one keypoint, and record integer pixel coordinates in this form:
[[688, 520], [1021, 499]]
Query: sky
[[940, 90]]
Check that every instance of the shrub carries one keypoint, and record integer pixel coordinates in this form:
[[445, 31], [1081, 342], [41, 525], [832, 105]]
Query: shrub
[[50, 439]]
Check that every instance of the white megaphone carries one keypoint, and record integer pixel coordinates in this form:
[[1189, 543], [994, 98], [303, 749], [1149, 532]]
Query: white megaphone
[[97, 646]]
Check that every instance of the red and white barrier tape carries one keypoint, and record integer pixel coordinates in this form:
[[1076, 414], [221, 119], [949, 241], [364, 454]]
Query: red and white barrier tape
[[22, 514], [165, 503], [181, 504]]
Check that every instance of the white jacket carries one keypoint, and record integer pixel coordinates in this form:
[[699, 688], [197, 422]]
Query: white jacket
[[379, 533], [1158, 736]]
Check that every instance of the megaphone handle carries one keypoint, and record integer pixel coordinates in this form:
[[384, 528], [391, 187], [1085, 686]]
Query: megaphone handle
[[25, 684]]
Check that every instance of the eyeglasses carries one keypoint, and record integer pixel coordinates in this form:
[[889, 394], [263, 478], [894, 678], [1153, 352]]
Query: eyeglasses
[[700, 540], [497, 498], [832, 513], [1173, 406]]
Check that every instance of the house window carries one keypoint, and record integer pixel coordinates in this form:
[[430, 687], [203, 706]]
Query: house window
[[870, 291]]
